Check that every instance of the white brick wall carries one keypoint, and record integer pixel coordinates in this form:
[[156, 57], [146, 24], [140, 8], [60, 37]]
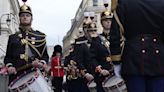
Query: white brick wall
[[7, 7]]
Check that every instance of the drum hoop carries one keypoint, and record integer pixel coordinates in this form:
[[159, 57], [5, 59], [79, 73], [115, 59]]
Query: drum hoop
[[118, 84], [106, 80], [90, 82], [24, 85], [19, 76]]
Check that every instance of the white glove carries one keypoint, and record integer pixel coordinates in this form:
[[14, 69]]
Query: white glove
[[11, 70], [104, 72], [117, 70], [36, 63], [51, 78], [88, 76]]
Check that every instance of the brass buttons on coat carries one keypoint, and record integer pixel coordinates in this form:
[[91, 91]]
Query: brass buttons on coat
[[154, 40], [157, 51], [142, 39], [143, 51]]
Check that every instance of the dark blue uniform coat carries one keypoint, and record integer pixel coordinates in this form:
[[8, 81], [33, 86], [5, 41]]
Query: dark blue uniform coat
[[143, 21], [16, 48]]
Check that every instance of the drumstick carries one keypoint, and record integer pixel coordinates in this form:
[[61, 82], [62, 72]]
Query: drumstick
[[24, 67]]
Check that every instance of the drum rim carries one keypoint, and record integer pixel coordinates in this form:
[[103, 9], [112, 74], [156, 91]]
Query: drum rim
[[91, 82], [110, 76], [20, 76], [23, 85], [119, 84]]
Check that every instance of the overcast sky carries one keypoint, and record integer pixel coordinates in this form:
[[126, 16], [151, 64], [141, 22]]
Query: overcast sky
[[53, 17]]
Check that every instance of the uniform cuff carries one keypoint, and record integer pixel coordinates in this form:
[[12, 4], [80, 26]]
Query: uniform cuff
[[9, 64], [43, 61]]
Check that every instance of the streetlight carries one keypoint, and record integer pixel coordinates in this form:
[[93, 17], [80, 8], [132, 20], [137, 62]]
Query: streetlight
[[106, 3], [8, 20], [11, 18], [14, 20]]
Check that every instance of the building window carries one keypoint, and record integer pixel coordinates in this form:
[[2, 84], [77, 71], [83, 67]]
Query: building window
[[95, 2]]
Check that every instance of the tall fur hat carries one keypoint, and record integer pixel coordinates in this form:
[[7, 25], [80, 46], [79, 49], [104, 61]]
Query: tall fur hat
[[58, 48]]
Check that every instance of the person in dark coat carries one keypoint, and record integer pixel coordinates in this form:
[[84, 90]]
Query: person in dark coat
[[142, 58], [26, 48], [106, 21], [72, 79], [100, 56], [81, 57]]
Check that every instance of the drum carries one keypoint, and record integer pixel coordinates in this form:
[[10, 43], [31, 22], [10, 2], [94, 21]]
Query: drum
[[114, 84], [32, 81], [92, 86]]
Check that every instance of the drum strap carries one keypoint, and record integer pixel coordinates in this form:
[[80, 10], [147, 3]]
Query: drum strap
[[24, 67], [105, 41], [122, 30]]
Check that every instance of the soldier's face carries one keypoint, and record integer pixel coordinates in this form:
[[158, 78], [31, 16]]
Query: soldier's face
[[58, 54], [106, 23], [25, 19], [92, 33]]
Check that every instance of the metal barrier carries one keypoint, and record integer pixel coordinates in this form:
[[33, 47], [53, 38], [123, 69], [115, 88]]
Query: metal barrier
[[4, 79]]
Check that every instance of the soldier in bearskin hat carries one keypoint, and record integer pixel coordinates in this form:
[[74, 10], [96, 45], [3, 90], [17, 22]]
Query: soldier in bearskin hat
[[57, 71], [27, 47]]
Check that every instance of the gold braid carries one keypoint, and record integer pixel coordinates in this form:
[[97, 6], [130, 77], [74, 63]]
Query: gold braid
[[37, 40], [35, 34], [26, 49], [34, 48], [43, 50], [40, 44]]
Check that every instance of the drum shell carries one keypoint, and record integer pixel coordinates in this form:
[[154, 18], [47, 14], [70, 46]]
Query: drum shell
[[114, 84], [31, 81], [92, 86]]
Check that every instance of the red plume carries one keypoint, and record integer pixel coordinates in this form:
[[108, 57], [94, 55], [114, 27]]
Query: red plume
[[24, 1]]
